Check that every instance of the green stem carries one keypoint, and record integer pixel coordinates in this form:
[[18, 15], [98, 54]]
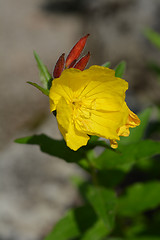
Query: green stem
[[94, 176], [90, 156]]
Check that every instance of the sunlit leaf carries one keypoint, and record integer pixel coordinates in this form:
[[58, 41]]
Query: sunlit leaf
[[106, 64], [43, 90], [58, 148], [110, 159], [74, 224], [45, 76], [101, 199], [104, 203], [139, 198], [133, 238], [120, 69], [153, 37], [53, 147], [114, 238], [96, 232]]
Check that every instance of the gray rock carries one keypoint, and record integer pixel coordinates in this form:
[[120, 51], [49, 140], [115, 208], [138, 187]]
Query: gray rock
[[26, 28], [117, 30], [35, 189]]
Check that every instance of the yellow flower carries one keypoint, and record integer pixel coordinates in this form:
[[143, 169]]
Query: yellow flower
[[91, 102]]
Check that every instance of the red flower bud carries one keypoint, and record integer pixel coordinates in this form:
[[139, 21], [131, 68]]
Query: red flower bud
[[72, 64], [81, 64], [76, 50], [59, 67]]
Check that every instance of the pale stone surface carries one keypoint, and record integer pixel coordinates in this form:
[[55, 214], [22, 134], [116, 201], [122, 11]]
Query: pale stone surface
[[118, 34], [26, 28], [35, 188]]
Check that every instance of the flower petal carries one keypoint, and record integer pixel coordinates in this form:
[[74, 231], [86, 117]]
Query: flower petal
[[133, 119], [72, 79], [103, 124], [64, 112], [74, 139], [103, 83], [91, 102], [97, 125], [58, 90]]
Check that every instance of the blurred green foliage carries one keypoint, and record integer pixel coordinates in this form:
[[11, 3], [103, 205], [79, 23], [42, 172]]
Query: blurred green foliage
[[121, 198], [154, 39]]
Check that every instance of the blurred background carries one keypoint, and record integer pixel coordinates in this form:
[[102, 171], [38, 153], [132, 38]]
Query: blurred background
[[35, 189]]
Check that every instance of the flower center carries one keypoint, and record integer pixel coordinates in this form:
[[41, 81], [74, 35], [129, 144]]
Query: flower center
[[76, 103], [79, 110], [76, 106]]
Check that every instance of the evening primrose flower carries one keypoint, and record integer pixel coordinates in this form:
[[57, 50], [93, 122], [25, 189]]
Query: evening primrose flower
[[91, 102]]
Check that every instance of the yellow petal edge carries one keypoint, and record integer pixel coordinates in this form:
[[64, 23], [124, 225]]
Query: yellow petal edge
[[91, 102]]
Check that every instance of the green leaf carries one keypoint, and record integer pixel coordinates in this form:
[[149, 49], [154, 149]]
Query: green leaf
[[113, 159], [65, 229], [53, 147], [126, 154], [58, 148], [101, 199], [153, 37], [136, 134], [74, 224], [93, 138], [97, 232], [104, 203], [134, 238], [120, 69], [114, 238], [106, 64], [106, 179], [45, 76], [43, 90], [154, 67], [139, 198], [147, 149]]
